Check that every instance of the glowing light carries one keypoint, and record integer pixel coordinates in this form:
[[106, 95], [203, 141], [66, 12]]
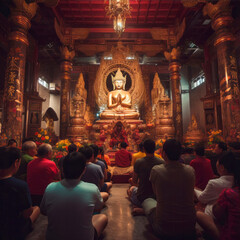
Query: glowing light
[[118, 10]]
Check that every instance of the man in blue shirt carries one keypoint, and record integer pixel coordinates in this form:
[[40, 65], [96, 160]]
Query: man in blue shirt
[[70, 203]]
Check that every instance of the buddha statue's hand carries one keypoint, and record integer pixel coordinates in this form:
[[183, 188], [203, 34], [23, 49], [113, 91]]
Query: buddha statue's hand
[[119, 99]]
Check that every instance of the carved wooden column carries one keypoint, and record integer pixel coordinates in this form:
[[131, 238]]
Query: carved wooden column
[[15, 69], [174, 69], [220, 14], [66, 68]]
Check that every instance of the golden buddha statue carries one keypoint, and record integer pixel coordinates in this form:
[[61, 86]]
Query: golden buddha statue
[[119, 100]]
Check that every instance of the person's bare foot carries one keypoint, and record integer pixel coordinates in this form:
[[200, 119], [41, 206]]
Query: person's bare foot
[[138, 211]]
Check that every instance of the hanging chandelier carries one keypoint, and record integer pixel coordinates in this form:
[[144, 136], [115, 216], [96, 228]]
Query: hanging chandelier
[[118, 10]]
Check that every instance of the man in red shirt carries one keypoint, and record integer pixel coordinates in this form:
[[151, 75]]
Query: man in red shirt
[[123, 158], [202, 167], [41, 172]]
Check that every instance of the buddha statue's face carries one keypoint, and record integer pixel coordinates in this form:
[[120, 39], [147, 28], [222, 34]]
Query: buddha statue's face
[[119, 84]]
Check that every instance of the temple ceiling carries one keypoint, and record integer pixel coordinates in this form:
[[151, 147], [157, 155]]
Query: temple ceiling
[[154, 25]]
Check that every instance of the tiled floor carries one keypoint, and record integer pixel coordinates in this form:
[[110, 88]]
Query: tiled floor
[[121, 224]]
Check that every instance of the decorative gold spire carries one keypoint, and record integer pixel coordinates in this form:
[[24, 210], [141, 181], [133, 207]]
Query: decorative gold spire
[[119, 76]]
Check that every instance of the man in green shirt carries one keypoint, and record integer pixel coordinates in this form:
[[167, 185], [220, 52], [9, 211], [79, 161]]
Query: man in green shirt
[[29, 150]]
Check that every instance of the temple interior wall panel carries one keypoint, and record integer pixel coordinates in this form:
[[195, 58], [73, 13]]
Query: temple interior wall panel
[[196, 106], [185, 98]]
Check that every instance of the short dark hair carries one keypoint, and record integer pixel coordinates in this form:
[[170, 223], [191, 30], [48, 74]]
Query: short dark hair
[[223, 146], [187, 150], [199, 149], [123, 145], [140, 146], [8, 156], [74, 165], [227, 159], [44, 149], [149, 146], [86, 151], [172, 149], [11, 142], [101, 150], [72, 148], [234, 145], [95, 149]]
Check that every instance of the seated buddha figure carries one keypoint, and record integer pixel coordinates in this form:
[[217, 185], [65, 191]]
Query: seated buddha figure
[[119, 100]]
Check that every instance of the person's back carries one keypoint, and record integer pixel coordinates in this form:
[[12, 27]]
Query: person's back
[[123, 158], [174, 184], [41, 172], [143, 168], [202, 167], [138, 155], [15, 200], [70, 204], [29, 149], [225, 167], [93, 174], [173, 212]]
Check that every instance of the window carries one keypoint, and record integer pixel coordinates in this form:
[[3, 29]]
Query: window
[[43, 82], [200, 79]]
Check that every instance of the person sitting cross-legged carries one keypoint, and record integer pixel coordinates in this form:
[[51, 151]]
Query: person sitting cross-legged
[[225, 167], [93, 172], [69, 204], [139, 154], [141, 174], [202, 167], [123, 157], [71, 148], [106, 185], [225, 222], [41, 172], [172, 215], [29, 151], [16, 211], [105, 158]]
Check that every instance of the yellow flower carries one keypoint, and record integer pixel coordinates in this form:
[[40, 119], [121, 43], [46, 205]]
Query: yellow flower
[[45, 132], [39, 135], [47, 137]]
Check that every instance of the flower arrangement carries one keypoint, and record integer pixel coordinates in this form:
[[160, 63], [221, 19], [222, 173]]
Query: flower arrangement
[[78, 144], [42, 136], [160, 142], [214, 136], [57, 155], [62, 145], [189, 143]]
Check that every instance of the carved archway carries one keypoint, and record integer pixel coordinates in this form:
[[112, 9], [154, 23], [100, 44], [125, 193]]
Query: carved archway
[[119, 57]]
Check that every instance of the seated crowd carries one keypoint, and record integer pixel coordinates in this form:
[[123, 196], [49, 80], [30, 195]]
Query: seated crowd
[[175, 190]]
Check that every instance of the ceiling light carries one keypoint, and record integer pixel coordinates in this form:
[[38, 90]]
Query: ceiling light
[[118, 10]]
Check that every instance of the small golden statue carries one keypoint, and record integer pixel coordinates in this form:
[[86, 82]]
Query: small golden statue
[[80, 97], [119, 100]]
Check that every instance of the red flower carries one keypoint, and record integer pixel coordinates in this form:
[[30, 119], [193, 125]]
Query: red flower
[[42, 138], [36, 133]]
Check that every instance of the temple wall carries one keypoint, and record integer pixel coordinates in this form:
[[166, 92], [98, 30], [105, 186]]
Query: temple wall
[[196, 105], [185, 98]]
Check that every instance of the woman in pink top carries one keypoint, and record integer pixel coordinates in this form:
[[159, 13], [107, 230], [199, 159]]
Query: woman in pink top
[[226, 225]]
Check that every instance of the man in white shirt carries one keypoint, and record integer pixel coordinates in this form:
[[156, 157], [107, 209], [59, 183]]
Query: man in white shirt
[[225, 168]]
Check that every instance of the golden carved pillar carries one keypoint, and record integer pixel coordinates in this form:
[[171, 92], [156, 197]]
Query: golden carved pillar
[[220, 14], [15, 68], [66, 68], [174, 69]]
